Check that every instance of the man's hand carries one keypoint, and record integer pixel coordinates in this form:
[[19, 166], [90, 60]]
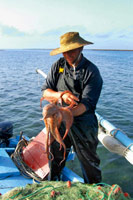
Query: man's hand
[[69, 98]]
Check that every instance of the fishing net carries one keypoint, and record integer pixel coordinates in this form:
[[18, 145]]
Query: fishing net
[[58, 190]]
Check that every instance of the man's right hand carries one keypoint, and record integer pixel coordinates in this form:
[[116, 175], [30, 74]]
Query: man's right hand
[[69, 98], [66, 96]]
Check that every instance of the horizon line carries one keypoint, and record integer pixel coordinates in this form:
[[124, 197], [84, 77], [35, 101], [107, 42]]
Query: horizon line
[[53, 48]]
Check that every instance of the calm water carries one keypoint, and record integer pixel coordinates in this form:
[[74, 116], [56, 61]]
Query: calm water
[[20, 92]]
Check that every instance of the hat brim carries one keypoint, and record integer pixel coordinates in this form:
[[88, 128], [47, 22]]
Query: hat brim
[[68, 48]]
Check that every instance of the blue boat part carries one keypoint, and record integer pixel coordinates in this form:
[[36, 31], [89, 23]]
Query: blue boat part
[[116, 133], [7, 167], [7, 184], [123, 138]]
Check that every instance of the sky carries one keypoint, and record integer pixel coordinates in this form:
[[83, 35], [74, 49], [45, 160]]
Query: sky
[[40, 23]]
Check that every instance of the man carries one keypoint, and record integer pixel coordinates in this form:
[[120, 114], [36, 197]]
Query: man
[[75, 73]]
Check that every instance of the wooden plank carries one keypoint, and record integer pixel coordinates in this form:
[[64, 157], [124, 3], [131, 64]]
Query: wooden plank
[[12, 182], [7, 167]]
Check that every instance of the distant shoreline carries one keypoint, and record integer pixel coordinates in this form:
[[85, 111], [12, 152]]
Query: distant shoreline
[[84, 49], [112, 49]]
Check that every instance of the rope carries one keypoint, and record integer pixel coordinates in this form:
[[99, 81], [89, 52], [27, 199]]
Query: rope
[[114, 131], [15, 195], [33, 193], [29, 195], [111, 192], [25, 170], [127, 148]]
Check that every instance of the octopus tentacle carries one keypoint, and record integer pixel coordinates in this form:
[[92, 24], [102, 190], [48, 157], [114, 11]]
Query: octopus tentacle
[[60, 141], [67, 118], [47, 138]]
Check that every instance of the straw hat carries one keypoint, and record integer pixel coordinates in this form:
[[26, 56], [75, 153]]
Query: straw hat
[[69, 41]]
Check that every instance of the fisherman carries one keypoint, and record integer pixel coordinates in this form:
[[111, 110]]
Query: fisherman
[[75, 73]]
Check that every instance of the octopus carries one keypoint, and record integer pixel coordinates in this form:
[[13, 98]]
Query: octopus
[[53, 115]]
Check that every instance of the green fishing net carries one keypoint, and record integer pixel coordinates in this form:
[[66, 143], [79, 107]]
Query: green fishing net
[[58, 190]]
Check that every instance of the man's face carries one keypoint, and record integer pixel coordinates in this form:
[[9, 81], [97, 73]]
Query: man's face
[[72, 55]]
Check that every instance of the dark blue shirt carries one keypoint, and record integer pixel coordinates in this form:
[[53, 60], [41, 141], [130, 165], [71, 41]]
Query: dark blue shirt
[[85, 81]]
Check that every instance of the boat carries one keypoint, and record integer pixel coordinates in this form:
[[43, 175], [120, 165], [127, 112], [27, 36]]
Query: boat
[[12, 163], [11, 174], [114, 139]]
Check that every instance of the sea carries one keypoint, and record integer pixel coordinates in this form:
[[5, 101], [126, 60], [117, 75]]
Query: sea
[[20, 93]]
